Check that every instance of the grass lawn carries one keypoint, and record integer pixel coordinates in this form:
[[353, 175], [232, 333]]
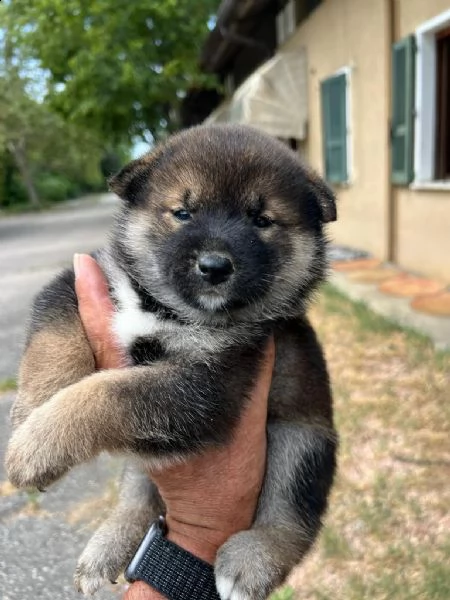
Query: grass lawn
[[387, 533], [8, 385]]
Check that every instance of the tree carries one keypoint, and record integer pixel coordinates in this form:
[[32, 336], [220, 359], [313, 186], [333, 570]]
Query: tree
[[117, 67], [19, 114], [38, 140]]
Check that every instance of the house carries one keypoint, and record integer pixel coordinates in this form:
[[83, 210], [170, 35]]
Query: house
[[361, 89]]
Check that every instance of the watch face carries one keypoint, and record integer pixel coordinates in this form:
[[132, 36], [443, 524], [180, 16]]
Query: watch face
[[130, 571]]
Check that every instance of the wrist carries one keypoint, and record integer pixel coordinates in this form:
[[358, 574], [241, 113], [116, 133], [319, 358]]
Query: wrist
[[142, 591], [202, 546], [177, 564]]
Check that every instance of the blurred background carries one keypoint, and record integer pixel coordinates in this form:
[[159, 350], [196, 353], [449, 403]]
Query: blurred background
[[360, 89]]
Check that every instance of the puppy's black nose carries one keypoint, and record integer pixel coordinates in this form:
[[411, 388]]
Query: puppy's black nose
[[215, 268]]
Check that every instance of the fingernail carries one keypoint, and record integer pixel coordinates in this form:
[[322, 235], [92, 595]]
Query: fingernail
[[76, 264]]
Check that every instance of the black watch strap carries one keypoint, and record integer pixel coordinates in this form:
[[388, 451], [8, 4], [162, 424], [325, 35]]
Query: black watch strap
[[171, 570]]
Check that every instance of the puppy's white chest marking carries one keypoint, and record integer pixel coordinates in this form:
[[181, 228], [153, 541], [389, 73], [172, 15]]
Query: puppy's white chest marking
[[131, 322]]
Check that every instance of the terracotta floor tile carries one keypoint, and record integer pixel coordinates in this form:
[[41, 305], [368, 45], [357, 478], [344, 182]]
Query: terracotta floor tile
[[355, 265], [436, 304], [373, 275], [408, 285]]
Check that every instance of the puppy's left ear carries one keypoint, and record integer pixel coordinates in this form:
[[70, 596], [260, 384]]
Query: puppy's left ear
[[132, 182], [325, 197]]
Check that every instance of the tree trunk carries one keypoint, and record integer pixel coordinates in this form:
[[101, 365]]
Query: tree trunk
[[18, 152]]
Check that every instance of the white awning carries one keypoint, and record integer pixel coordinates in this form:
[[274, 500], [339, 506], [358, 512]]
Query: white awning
[[274, 98], [220, 115]]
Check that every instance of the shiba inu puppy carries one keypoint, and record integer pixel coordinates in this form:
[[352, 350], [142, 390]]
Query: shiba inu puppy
[[218, 244]]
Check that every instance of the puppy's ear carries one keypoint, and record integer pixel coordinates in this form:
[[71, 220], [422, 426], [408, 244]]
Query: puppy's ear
[[132, 182], [325, 197]]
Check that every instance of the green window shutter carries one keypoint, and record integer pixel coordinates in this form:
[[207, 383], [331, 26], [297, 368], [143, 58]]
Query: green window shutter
[[402, 129], [334, 123]]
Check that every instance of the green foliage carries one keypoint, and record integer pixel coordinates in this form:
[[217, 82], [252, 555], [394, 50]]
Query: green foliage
[[79, 80], [53, 188], [118, 68], [112, 162], [286, 593], [8, 385], [43, 158]]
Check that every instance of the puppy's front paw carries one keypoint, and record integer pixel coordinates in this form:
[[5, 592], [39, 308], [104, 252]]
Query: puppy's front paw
[[32, 459], [245, 569]]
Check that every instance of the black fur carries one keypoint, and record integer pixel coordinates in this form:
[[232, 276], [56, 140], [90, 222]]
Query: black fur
[[196, 346], [57, 301], [144, 351], [310, 492]]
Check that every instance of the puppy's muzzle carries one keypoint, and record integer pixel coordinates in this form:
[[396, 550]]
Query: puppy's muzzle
[[215, 268]]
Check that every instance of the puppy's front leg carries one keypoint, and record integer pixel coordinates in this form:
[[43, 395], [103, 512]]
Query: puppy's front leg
[[57, 352], [162, 409]]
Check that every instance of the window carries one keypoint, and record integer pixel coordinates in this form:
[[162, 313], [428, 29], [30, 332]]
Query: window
[[289, 17], [229, 85], [442, 166], [432, 102], [335, 119], [402, 111], [286, 22]]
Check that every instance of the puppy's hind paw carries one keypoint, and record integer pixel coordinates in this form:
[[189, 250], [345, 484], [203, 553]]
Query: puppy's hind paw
[[94, 570], [89, 585], [229, 589], [246, 567]]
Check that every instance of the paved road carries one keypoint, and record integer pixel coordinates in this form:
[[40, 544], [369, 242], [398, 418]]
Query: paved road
[[32, 249], [41, 539]]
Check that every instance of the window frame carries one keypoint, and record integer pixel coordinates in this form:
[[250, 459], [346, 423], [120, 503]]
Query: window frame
[[347, 72], [426, 103]]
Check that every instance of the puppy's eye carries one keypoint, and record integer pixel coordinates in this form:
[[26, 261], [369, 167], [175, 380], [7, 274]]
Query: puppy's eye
[[182, 215], [262, 221]]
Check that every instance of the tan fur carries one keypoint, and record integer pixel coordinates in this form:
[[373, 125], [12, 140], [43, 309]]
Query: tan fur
[[76, 424], [55, 358], [196, 343]]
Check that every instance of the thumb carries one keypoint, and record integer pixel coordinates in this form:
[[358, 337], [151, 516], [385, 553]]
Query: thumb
[[96, 310]]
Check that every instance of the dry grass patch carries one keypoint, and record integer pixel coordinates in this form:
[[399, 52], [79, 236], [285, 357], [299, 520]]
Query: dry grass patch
[[93, 511], [387, 534], [7, 489]]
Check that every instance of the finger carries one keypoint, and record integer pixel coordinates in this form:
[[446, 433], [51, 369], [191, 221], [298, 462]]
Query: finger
[[260, 392], [265, 377], [96, 310], [254, 417]]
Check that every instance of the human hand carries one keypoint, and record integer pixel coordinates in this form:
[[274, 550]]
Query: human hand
[[213, 495]]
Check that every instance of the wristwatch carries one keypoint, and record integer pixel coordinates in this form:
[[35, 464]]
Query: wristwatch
[[169, 569]]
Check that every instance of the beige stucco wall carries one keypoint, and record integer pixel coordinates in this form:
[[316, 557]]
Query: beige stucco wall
[[355, 34], [423, 240], [352, 33], [410, 14], [423, 224]]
